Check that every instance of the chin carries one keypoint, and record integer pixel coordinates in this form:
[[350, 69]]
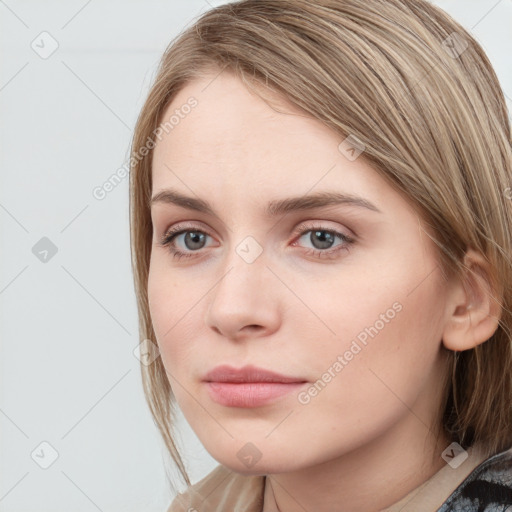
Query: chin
[[270, 465]]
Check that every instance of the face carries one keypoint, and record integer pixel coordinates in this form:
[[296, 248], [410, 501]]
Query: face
[[346, 299]]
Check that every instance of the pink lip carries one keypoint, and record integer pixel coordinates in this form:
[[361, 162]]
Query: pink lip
[[249, 386], [249, 373]]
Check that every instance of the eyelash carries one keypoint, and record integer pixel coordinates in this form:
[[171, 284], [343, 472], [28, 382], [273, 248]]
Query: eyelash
[[169, 236]]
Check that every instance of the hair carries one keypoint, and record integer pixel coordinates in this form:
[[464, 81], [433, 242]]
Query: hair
[[397, 75]]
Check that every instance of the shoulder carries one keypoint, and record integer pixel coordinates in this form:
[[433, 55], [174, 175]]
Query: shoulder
[[221, 490], [488, 488]]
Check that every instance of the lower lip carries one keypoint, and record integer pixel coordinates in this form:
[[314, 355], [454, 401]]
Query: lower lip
[[249, 394]]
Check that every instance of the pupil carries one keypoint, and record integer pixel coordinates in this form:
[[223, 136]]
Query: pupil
[[194, 238], [322, 235]]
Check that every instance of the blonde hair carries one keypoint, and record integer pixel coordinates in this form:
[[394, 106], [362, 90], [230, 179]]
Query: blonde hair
[[419, 92]]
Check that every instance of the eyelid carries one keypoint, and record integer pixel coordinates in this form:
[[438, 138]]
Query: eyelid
[[186, 224], [297, 231], [318, 223], [311, 224]]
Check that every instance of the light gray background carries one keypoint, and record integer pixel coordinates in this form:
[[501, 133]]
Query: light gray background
[[68, 325]]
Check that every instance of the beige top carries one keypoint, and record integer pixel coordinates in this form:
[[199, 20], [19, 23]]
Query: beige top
[[223, 490]]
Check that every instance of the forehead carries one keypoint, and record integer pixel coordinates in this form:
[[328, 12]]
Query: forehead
[[237, 147], [233, 130], [228, 115]]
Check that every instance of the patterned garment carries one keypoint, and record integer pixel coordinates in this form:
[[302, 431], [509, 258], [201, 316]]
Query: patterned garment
[[487, 489]]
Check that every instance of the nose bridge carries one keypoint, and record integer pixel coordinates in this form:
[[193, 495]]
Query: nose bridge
[[245, 267], [241, 297]]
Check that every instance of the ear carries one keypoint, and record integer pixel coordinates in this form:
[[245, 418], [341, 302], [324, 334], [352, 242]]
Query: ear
[[472, 306]]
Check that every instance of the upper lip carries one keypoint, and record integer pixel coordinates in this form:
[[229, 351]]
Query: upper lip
[[225, 373]]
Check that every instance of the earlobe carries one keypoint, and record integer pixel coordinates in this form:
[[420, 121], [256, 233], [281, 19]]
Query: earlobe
[[473, 306]]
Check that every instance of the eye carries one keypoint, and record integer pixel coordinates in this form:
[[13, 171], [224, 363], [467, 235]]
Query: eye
[[323, 241], [193, 240]]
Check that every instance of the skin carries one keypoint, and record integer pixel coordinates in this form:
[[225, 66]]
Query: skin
[[366, 439]]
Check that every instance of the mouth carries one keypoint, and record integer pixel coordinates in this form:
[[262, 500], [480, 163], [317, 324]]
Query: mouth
[[249, 386]]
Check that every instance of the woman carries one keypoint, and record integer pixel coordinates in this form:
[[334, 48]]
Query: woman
[[321, 223]]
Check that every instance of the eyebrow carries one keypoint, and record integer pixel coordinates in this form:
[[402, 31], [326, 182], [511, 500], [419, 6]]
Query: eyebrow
[[274, 208]]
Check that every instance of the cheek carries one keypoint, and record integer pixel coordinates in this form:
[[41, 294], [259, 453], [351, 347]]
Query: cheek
[[385, 350], [170, 306], [390, 305], [346, 310]]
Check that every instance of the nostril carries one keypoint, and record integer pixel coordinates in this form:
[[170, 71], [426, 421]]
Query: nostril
[[254, 327]]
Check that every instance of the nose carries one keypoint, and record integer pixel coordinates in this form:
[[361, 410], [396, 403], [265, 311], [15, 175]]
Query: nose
[[245, 302]]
